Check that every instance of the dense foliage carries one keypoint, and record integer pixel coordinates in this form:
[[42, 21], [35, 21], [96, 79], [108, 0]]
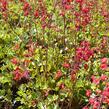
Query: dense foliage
[[54, 54]]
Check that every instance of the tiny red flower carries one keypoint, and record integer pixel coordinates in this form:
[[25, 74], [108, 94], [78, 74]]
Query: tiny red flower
[[85, 10], [14, 60], [67, 7], [66, 65], [104, 60], [26, 6], [103, 77], [98, 91], [88, 93], [36, 14], [62, 86], [91, 101], [96, 105], [107, 100], [17, 76], [86, 66], [58, 74], [103, 66], [26, 13], [73, 76], [106, 92]]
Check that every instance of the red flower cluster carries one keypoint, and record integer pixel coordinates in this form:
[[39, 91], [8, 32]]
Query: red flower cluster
[[66, 4], [104, 65], [88, 93], [36, 14], [26, 8], [66, 65], [18, 74], [79, 1], [97, 80], [99, 96], [4, 5], [83, 16], [84, 52], [14, 60]]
